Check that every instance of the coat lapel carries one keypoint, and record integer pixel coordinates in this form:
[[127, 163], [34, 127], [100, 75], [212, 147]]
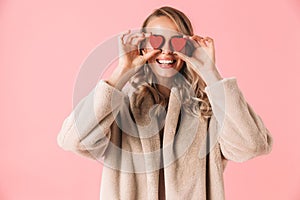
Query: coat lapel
[[172, 116], [149, 126]]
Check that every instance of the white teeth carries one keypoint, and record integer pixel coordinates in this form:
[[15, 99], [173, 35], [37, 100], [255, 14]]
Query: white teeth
[[165, 61]]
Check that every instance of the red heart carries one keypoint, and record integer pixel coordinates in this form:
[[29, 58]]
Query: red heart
[[156, 41], [178, 43]]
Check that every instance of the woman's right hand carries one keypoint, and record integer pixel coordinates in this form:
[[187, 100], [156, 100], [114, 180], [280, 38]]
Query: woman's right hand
[[130, 59], [129, 55]]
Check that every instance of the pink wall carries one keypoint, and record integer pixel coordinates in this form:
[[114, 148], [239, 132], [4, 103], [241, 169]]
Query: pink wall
[[43, 43]]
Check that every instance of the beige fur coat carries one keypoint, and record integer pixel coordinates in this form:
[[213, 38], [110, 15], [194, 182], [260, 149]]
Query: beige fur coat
[[106, 126]]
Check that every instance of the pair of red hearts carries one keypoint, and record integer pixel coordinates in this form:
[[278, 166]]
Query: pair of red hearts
[[177, 43]]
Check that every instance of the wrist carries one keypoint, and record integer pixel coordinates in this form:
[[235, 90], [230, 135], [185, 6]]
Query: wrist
[[120, 76], [212, 76]]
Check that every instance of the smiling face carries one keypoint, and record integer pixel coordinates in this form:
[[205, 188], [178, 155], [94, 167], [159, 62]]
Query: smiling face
[[166, 64]]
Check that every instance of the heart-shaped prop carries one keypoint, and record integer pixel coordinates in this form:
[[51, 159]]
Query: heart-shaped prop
[[178, 43], [156, 41]]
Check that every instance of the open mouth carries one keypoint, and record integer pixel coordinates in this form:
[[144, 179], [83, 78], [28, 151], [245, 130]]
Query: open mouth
[[166, 63]]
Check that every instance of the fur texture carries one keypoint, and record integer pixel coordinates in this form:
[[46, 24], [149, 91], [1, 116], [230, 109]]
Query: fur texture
[[106, 126]]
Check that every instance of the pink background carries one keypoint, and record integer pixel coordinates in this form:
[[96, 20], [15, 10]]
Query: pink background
[[43, 43]]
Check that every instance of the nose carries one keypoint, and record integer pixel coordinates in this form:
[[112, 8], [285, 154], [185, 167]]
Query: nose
[[166, 48], [166, 51]]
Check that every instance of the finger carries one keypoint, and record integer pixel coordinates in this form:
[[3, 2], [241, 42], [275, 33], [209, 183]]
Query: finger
[[139, 40], [195, 43], [141, 60], [130, 40], [196, 37], [190, 61], [147, 34], [183, 56], [134, 36], [200, 40], [151, 54], [121, 38], [209, 40]]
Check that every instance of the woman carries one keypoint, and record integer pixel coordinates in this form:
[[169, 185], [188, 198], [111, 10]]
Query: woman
[[170, 133]]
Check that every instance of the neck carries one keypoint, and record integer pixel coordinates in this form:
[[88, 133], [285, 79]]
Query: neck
[[164, 85]]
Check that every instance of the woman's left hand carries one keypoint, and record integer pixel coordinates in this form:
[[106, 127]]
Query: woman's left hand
[[203, 59]]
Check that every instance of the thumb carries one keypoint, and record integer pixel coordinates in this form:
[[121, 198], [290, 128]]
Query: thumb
[[183, 57], [190, 61], [142, 59], [151, 54]]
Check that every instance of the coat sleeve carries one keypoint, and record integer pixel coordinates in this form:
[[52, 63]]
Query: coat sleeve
[[87, 130], [240, 132]]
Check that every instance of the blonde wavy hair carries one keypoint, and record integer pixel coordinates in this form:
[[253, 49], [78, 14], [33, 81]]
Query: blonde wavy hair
[[190, 85]]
